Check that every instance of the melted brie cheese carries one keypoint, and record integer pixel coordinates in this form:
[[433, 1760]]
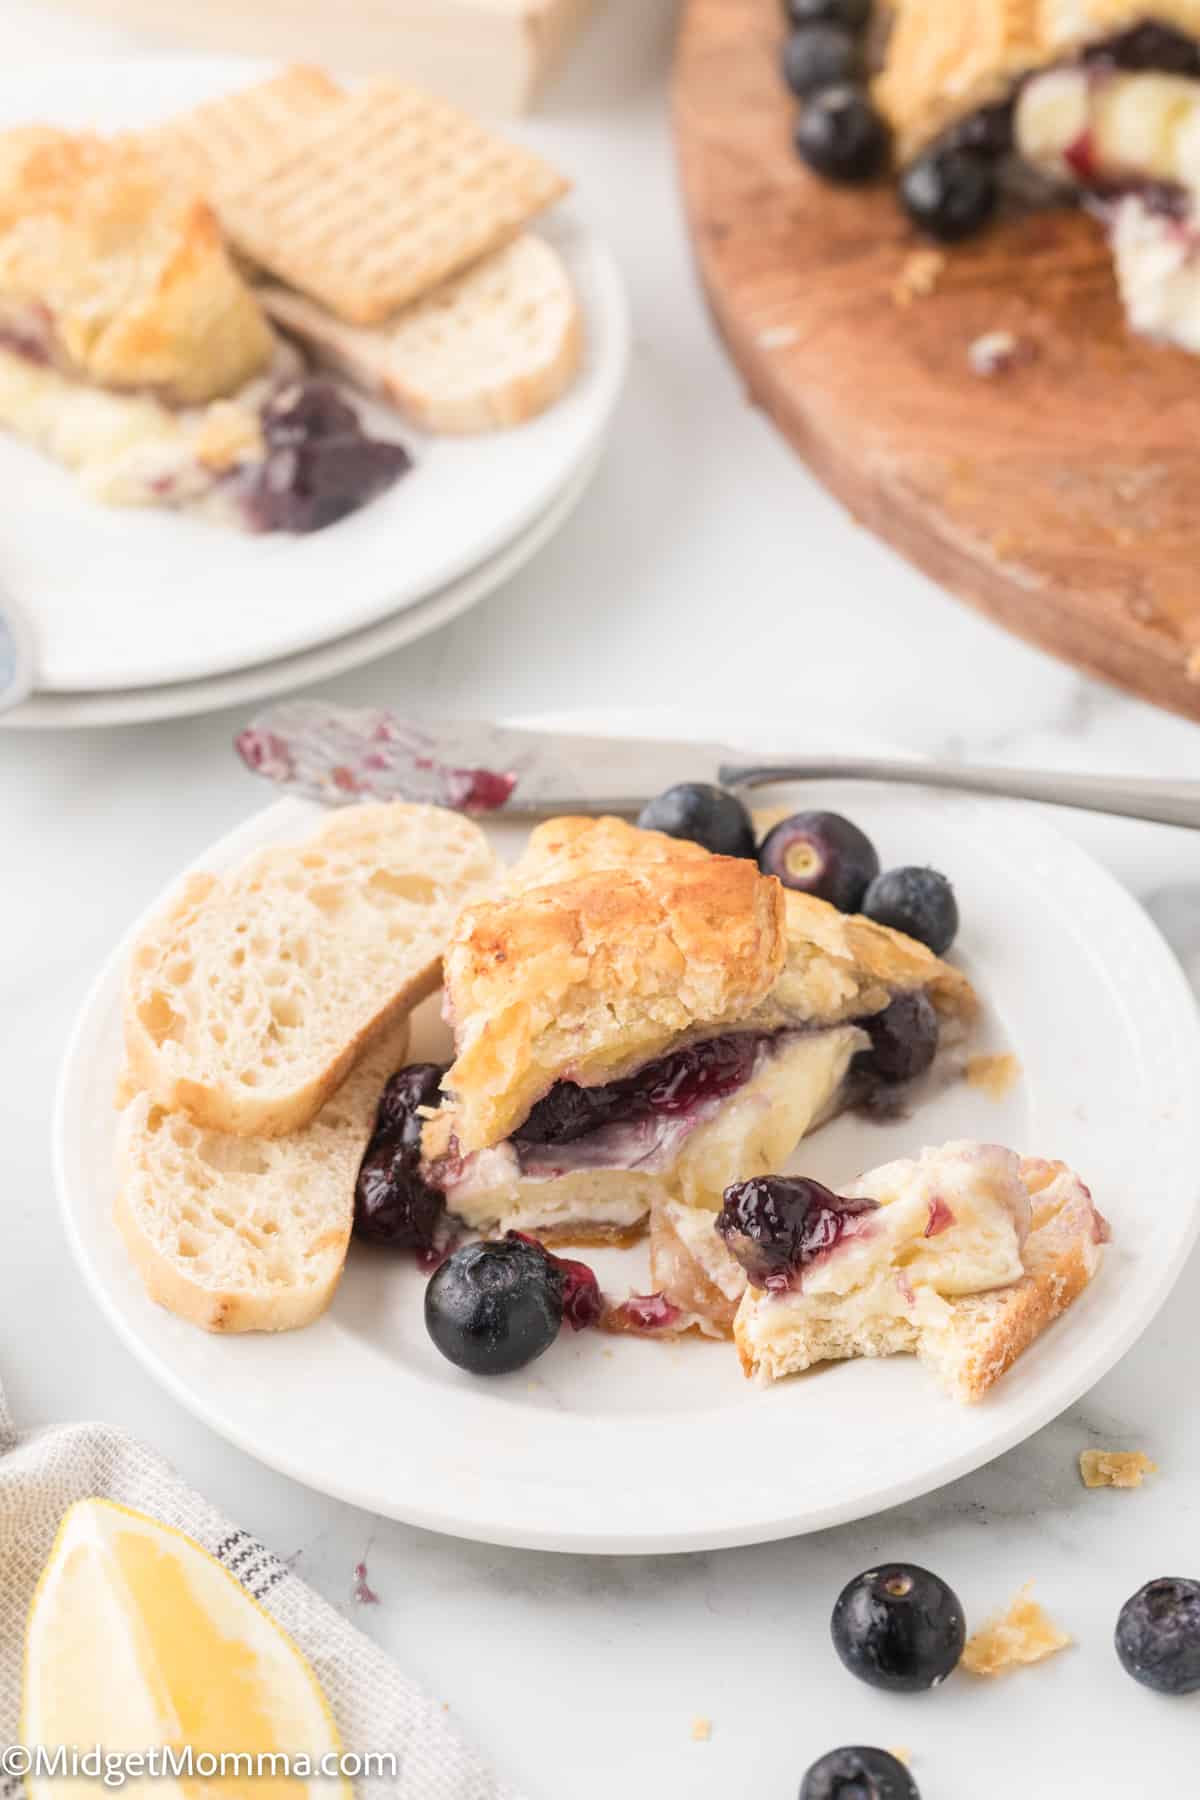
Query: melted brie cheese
[[951, 1222], [132, 449]]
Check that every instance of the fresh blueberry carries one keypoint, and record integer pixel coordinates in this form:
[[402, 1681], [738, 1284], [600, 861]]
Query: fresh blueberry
[[919, 902], [841, 137], [775, 1225], [904, 1040], [492, 1308], [1158, 1636], [949, 193], [851, 15], [704, 815], [820, 56], [821, 853], [898, 1627], [858, 1773], [583, 1302]]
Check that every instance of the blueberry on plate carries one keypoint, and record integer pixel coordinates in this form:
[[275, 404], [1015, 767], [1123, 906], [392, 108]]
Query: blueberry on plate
[[949, 193], [492, 1308], [1158, 1636], [841, 136], [851, 15], [858, 1772], [703, 814], [919, 902], [904, 1039], [821, 853], [393, 1202], [898, 1627], [820, 56]]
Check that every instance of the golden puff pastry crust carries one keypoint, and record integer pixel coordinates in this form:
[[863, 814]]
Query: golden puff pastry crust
[[840, 966], [947, 58], [126, 273], [606, 947]]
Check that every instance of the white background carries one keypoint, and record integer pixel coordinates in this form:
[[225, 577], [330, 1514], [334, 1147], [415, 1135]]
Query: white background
[[703, 567]]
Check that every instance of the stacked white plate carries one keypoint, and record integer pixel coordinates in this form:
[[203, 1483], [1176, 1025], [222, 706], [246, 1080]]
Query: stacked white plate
[[143, 615]]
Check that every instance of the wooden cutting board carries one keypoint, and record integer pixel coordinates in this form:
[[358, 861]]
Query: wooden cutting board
[[1061, 497]]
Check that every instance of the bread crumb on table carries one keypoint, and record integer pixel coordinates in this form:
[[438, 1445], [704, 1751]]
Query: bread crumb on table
[[1024, 1634], [919, 275], [701, 1730], [995, 1075], [1115, 1468]]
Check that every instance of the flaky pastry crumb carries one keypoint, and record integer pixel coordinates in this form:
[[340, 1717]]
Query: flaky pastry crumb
[[995, 1075], [1115, 1468], [1024, 1634]]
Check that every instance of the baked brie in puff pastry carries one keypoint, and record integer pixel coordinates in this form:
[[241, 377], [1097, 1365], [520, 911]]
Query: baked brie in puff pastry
[[639, 1023], [1099, 99], [961, 1256]]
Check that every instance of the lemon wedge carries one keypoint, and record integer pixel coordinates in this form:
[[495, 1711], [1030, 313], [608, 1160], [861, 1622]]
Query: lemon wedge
[[138, 1640]]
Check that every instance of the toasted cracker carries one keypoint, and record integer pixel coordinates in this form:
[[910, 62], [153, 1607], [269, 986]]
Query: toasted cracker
[[382, 197], [216, 145]]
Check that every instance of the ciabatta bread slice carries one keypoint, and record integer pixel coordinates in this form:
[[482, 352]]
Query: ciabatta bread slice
[[248, 1001], [893, 1304], [247, 1234], [490, 348]]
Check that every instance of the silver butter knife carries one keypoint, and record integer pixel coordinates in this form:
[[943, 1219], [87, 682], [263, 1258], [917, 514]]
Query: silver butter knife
[[342, 754]]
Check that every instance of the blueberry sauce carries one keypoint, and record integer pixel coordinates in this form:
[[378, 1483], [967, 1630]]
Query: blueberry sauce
[[394, 1202], [643, 1314], [581, 1299], [776, 1226], [672, 1085], [940, 1217], [320, 463]]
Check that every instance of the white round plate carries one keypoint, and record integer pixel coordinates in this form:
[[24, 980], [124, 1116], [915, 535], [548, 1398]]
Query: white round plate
[[126, 597], [624, 1445], [138, 706]]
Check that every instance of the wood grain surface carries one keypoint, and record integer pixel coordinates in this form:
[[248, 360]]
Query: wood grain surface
[[1062, 497]]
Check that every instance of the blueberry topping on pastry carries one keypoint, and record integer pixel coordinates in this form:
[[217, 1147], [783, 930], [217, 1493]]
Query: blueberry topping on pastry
[[775, 1225], [394, 1203]]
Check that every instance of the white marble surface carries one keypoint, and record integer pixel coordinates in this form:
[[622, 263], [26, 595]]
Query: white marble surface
[[702, 567]]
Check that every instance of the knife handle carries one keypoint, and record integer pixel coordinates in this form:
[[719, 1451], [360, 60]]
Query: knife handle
[[1164, 802]]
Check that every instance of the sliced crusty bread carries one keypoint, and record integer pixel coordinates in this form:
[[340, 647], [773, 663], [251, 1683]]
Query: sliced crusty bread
[[247, 1234], [986, 1332], [251, 997], [488, 349], [1061, 1254]]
